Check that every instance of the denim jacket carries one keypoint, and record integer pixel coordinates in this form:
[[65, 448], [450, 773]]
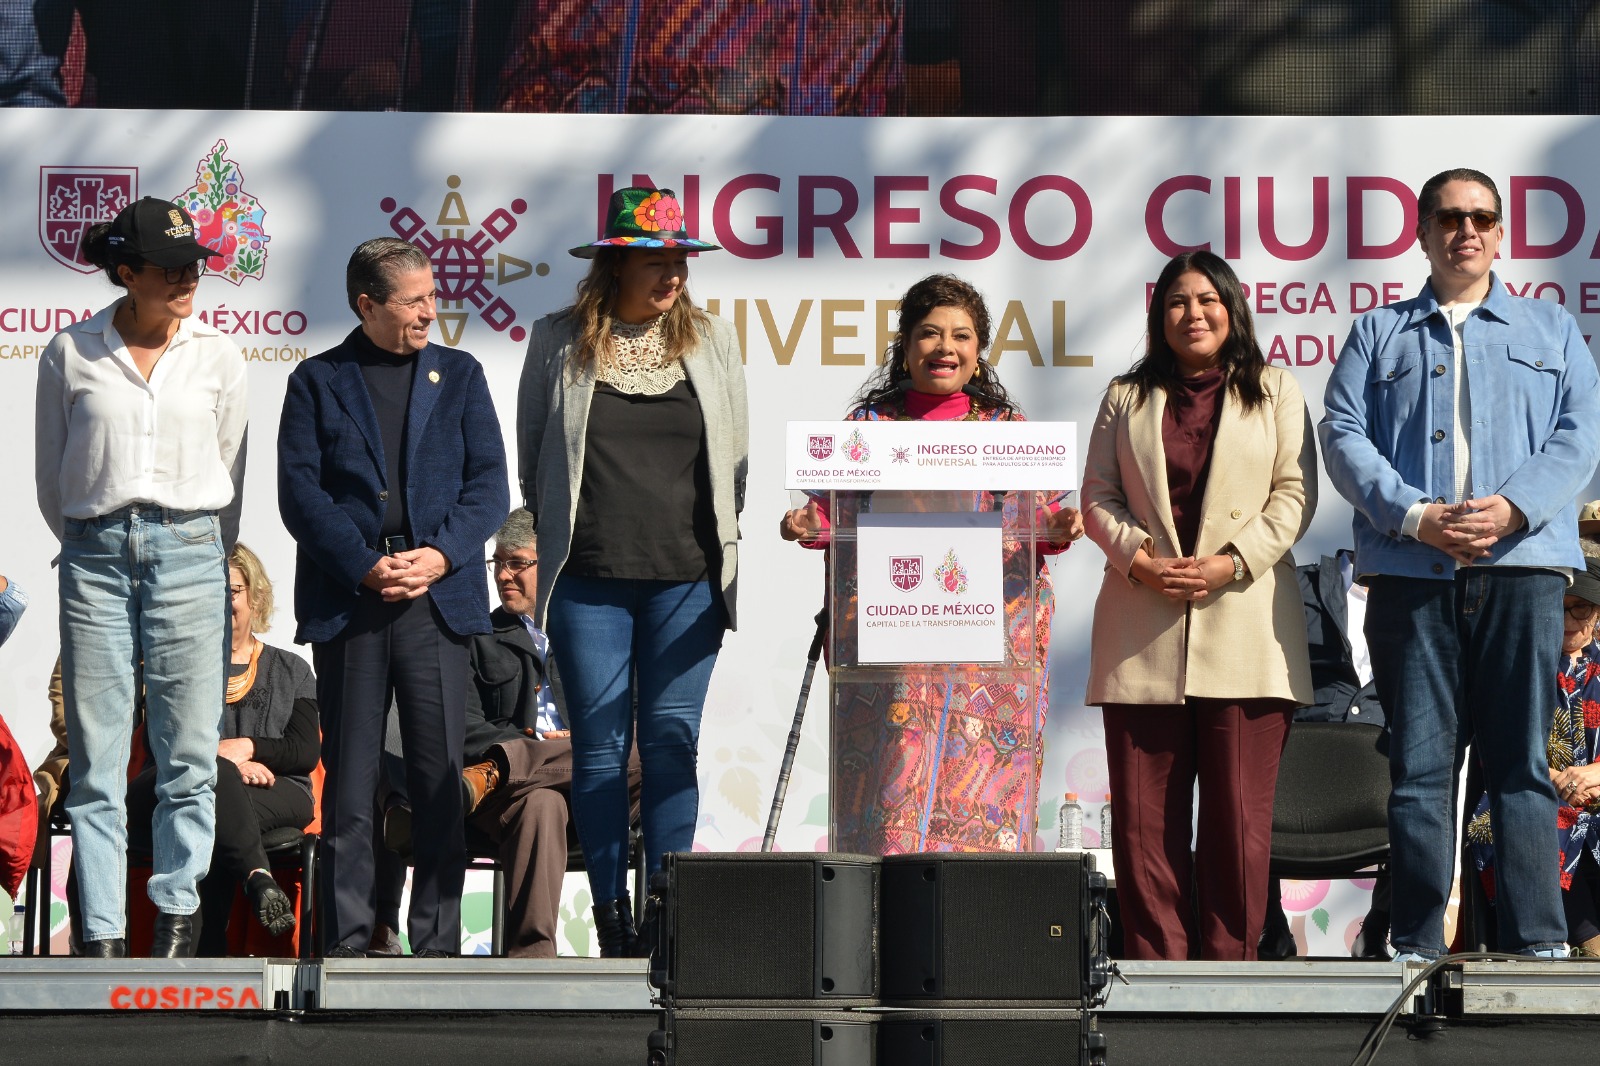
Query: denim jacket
[[1387, 438]]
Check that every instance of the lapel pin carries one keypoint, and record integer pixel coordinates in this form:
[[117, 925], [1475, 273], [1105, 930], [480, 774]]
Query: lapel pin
[[433, 376]]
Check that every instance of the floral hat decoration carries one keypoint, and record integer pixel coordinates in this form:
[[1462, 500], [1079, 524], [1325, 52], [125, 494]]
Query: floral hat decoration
[[644, 218]]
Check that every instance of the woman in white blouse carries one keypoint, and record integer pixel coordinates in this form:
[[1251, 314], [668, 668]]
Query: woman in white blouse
[[140, 435]]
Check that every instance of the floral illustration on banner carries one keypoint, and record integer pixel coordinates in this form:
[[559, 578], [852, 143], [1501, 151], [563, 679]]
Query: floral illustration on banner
[[951, 574], [855, 447], [228, 218]]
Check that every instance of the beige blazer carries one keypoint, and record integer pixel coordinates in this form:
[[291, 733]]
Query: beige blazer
[[1245, 640]]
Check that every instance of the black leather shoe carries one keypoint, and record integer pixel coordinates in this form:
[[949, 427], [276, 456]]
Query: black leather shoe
[[344, 951], [613, 928], [1372, 942], [1277, 942], [436, 953], [116, 948], [270, 903], [174, 938]]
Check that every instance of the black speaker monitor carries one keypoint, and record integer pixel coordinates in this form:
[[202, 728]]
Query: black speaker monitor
[[989, 927], [754, 927]]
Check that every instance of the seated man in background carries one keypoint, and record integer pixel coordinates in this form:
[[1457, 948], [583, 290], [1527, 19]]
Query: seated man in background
[[517, 754]]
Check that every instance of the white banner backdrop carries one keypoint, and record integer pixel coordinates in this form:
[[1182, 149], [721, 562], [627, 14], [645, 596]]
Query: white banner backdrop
[[1063, 223]]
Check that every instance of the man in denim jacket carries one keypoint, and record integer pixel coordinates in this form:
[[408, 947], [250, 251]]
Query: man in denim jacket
[[1461, 424]]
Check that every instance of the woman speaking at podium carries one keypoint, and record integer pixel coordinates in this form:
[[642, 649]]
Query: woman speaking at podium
[[1200, 476], [931, 762]]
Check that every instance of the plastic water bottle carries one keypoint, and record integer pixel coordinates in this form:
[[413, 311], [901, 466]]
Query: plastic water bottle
[[1070, 820], [1105, 822], [19, 922]]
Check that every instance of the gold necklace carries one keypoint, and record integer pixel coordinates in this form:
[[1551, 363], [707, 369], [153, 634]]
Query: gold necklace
[[242, 683]]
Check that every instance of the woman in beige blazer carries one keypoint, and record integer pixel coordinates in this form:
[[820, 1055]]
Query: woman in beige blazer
[[1201, 474]]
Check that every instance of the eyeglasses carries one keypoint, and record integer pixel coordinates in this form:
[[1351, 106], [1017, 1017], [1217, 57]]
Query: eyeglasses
[[516, 566], [188, 272], [1582, 612], [1449, 219], [238, 590]]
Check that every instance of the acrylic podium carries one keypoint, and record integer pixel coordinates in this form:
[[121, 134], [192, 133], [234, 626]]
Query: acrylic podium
[[939, 610]]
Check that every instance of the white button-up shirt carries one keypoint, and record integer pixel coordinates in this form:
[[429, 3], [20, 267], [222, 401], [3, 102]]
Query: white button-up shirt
[[106, 437]]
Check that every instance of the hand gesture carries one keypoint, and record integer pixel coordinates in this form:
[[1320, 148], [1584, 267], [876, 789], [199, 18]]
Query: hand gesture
[[802, 523]]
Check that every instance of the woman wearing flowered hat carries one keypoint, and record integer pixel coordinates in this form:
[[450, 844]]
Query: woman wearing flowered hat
[[633, 443]]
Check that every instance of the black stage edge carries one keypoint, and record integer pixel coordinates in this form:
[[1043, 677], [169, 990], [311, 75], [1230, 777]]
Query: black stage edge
[[1291, 1040], [327, 1038], [560, 1038]]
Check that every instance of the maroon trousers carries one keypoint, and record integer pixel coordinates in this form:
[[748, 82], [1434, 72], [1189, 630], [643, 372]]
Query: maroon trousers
[[1211, 905]]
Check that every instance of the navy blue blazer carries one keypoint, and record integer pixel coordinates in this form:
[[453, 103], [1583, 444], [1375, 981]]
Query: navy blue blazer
[[332, 494]]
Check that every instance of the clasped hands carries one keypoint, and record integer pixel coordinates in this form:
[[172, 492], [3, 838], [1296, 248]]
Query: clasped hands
[[406, 575], [1468, 530], [241, 752], [1577, 786], [1189, 578]]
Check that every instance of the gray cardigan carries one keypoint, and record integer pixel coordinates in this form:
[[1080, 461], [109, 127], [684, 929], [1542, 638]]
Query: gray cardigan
[[552, 423]]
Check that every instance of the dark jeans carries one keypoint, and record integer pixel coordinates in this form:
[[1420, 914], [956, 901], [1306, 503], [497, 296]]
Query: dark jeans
[[1455, 661]]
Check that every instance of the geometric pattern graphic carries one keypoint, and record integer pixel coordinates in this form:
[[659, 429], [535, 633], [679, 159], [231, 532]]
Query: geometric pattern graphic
[[468, 266]]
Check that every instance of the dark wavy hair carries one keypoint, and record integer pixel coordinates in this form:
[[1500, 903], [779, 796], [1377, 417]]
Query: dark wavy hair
[[890, 381], [1240, 356], [97, 252]]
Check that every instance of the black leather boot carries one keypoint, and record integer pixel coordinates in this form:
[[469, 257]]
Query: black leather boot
[[613, 927], [174, 938], [116, 948]]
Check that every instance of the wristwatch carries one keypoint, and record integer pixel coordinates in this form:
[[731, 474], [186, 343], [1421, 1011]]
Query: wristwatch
[[1238, 564]]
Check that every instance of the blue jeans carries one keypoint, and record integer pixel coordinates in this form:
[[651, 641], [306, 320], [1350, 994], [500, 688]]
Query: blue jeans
[[142, 586], [1470, 660], [621, 643]]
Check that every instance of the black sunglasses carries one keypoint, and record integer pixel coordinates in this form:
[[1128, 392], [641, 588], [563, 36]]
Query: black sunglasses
[[1449, 219], [188, 272]]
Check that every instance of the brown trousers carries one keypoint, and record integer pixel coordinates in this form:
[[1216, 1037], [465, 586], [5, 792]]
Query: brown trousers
[[1155, 754], [527, 818]]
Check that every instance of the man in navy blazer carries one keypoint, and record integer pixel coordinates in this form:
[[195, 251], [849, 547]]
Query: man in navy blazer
[[391, 476]]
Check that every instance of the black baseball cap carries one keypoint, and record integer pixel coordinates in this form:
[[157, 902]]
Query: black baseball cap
[[1586, 582], [157, 231]]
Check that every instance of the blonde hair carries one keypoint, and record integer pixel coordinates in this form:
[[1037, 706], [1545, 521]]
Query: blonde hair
[[596, 303], [258, 587]]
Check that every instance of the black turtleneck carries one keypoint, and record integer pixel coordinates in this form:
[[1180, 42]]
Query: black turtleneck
[[388, 377]]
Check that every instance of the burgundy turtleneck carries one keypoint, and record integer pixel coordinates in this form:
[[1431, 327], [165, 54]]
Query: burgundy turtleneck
[[1188, 426]]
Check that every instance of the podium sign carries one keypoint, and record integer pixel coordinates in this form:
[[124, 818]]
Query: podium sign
[[929, 588], [994, 456]]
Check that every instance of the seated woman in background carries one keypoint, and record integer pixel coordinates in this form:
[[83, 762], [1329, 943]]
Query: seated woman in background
[[1574, 771], [932, 761], [270, 745]]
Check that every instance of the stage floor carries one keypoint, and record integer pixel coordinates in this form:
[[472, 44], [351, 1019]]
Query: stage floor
[[358, 1011]]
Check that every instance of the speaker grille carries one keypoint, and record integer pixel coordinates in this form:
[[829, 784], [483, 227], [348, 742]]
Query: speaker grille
[[1036, 1042], [745, 929], [1013, 929], [726, 1042]]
